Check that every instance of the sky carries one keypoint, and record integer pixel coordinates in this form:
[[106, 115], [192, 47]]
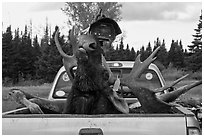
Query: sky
[[142, 22]]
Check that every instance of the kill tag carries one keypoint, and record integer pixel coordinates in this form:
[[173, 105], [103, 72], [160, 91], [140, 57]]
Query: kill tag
[[116, 84]]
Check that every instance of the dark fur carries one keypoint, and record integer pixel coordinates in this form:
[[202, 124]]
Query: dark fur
[[90, 89], [149, 102]]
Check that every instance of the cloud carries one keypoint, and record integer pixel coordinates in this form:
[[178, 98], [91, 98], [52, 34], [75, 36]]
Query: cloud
[[187, 11], [46, 6]]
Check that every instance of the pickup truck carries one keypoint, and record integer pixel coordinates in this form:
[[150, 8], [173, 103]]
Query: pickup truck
[[180, 122]]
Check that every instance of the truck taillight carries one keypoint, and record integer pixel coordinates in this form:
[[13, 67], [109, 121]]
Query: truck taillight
[[193, 131]]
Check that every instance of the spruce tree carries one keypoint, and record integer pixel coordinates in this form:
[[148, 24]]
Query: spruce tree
[[36, 47], [132, 54], [171, 53], [127, 53], [26, 56], [162, 54], [157, 43], [194, 61], [179, 55], [176, 55], [109, 55], [142, 53], [7, 49], [37, 55], [197, 41], [148, 50], [16, 67], [50, 61], [121, 51], [45, 40]]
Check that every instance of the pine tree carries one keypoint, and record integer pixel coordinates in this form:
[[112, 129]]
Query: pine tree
[[197, 42], [171, 53], [37, 53], [25, 55], [142, 53], [109, 55], [181, 46], [157, 43], [148, 50], [7, 50], [36, 47], [16, 57], [175, 55], [194, 61], [116, 53], [50, 61], [132, 54], [127, 53], [145, 52], [121, 46], [162, 54], [45, 40], [121, 51], [137, 53]]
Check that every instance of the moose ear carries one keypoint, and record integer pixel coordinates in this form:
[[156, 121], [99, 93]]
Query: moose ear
[[119, 103]]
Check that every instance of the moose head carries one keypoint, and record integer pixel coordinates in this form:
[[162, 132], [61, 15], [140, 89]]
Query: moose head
[[90, 83]]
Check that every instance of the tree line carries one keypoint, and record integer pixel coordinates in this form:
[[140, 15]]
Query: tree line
[[26, 58]]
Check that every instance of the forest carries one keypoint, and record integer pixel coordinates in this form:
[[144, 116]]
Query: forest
[[26, 57]]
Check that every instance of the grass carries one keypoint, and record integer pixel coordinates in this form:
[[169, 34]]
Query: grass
[[171, 74], [194, 95]]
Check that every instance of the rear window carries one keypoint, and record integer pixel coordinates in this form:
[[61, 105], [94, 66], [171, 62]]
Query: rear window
[[148, 79]]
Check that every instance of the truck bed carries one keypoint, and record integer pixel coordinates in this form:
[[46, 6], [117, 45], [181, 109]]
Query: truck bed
[[110, 124], [95, 124]]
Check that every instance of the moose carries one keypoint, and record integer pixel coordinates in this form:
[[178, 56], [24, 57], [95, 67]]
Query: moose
[[91, 92]]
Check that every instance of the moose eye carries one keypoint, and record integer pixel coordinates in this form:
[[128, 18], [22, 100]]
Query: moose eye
[[109, 35]]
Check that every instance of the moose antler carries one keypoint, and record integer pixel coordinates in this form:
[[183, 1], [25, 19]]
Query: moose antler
[[171, 96], [171, 84], [138, 68], [68, 61]]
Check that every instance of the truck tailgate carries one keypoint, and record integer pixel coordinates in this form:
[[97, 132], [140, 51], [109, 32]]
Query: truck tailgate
[[150, 124]]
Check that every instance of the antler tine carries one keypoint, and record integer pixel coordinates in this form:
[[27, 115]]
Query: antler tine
[[170, 85], [58, 44], [73, 39], [139, 66], [137, 69], [171, 96], [68, 61]]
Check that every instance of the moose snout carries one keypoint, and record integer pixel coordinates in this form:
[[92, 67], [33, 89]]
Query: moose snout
[[87, 42], [92, 45], [89, 46]]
